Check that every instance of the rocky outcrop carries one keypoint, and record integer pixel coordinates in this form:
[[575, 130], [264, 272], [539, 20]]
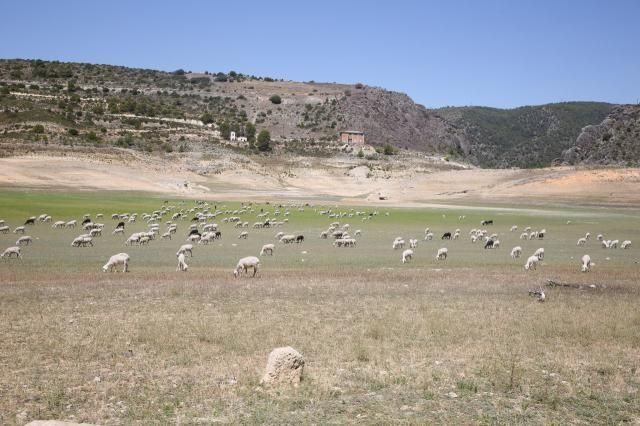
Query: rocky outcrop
[[615, 141], [284, 366]]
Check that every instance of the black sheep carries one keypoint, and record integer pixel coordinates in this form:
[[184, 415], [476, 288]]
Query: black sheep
[[446, 236]]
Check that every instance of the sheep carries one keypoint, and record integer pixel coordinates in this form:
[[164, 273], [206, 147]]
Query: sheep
[[625, 244], [82, 241], [19, 229], [115, 260], [428, 236], [532, 263], [586, 263], [71, 224], [514, 228], [539, 293], [96, 232], [524, 236], [243, 235], [600, 237], [357, 233], [587, 235], [474, 238], [30, 221], [456, 235], [4, 229], [58, 224], [166, 235], [397, 244], [287, 239], [489, 244], [442, 254], [581, 241], [144, 240], [605, 243], [496, 244], [11, 251], [194, 238], [185, 248], [246, 263], [267, 249], [407, 255], [516, 252], [539, 253], [614, 244], [24, 240], [413, 243], [299, 239], [182, 265], [446, 236]]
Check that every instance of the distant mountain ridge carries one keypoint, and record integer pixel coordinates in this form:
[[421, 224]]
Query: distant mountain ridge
[[94, 104]]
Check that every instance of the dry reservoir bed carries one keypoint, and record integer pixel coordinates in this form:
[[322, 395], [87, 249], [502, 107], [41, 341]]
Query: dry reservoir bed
[[458, 341]]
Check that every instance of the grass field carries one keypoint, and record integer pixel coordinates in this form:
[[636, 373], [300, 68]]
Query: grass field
[[455, 341]]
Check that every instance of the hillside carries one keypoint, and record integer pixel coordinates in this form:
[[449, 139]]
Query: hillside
[[615, 141], [104, 106]]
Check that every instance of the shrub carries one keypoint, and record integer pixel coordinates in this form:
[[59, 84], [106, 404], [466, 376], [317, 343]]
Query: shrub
[[167, 148], [275, 99], [360, 153], [389, 150], [38, 128], [92, 136], [73, 132], [359, 86]]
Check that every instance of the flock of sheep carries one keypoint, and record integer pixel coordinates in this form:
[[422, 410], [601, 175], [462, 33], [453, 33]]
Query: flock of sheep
[[202, 229]]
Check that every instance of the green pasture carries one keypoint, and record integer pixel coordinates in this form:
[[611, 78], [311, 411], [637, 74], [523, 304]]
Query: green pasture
[[52, 250]]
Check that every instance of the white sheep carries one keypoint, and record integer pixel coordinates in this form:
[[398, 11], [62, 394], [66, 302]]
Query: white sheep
[[166, 236], [267, 249], [185, 248], [287, 239], [516, 252], [586, 263], [496, 244], [115, 260], [246, 263], [24, 240], [19, 229], [58, 224], [539, 253], [407, 255], [524, 236], [587, 235], [243, 235], [625, 244], [71, 224], [428, 236], [514, 228], [581, 241], [357, 233], [397, 243], [532, 263], [182, 264], [614, 244], [82, 241], [442, 254], [11, 251], [600, 237], [4, 229], [413, 243]]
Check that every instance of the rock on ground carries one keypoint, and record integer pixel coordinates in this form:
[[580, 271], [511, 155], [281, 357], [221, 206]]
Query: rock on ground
[[284, 365]]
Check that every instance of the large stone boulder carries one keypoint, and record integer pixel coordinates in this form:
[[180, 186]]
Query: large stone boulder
[[284, 366]]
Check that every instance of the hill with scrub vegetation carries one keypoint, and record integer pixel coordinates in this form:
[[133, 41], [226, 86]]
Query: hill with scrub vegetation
[[46, 104]]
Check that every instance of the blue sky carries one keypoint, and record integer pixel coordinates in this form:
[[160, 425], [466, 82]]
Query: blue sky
[[493, 53]]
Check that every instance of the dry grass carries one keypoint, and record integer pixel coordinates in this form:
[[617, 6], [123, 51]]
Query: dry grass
[[381, 346]]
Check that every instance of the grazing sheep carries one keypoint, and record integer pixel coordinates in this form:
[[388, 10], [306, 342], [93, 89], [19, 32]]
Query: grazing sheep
[[267, 249], [115, 260], [442, 254], [539, 253], [357, 233], [144, 240], [581, 241], [4, 229], [299, 239], [586, 263], [246, 263], [600, 237], [539, 293], [605, 243], [82, 241], [524, 236], [428, 236], [397, 243], [516, 252], [446, 236], [243, 235], [625, 244], [587, 235], [58, 224], [614, 244], [166, 236], [30, 221], [456, 235], [71, 224], [413, 243], [11, 251], [96, 232], [514, 228], [182, 265], [185, 248], [489, 244], [24, 240], [486, 222], [532, 263], [407, 255], [287, 239], [19, 229], [496, 244], [194, 238]]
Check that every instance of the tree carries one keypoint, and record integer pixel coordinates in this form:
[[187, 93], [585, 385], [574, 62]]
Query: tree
[[206, 118], [225, 130], [360, 153], [264, 141], [250, 132], [275, 99]]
